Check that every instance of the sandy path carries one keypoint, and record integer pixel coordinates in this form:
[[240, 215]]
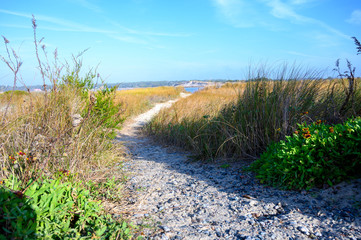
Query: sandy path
[[205, 201], [131, 128]]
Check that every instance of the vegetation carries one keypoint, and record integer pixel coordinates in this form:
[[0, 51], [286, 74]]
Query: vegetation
[[55, 209], [136, 101], [55, 147], [241, 120], [315, 154], [16, 94], [320, 153], [182, 123], [268, 108], [58, 160]]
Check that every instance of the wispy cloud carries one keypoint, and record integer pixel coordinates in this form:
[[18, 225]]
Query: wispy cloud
[[242, 13], [14, 26], [355, 17], [146, 33], [61, 24], [87, 4], [282, 10], [123, 34], [15, 13], [285, 11], [301, 2]]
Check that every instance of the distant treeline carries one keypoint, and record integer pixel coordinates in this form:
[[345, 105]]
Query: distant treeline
[[120, 85], [144, 84]]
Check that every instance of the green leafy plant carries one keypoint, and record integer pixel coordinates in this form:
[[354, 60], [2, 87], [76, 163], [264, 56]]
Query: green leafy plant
[[314, 155], [54, 209], [110, 189]]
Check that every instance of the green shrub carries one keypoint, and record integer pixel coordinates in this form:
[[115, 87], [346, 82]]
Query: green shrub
[[54, 209], [105, 108], [100, 104], [314, 155]]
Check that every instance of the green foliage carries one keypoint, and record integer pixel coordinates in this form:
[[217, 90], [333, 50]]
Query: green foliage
[[105, 109], [54, 209], [109, 189], [100, 103], [314, 155], [17, 218], [73, 78]]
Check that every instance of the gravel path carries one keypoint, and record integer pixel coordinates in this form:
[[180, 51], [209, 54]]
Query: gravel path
[[187, 200]]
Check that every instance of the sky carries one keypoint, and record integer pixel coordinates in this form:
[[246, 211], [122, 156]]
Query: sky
[[166, 40]]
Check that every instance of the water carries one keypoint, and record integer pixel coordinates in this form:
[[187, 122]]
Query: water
[[192, 89]]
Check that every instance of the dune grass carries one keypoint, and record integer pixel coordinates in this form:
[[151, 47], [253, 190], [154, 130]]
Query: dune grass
[[136, 101], [181, 123], [241, 120]]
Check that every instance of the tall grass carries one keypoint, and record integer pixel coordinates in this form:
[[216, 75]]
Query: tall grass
[[62, 136], [263, 111], [62, 131], [136, 101], [181, 123]]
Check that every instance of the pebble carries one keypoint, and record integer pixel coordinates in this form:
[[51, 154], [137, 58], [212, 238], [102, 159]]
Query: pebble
[[304, 230], [165, 228], [195, 200]]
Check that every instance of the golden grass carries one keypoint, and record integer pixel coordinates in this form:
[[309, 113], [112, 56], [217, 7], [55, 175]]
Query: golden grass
[[136, 101], [41, 125], [241, 119], [207, 102]]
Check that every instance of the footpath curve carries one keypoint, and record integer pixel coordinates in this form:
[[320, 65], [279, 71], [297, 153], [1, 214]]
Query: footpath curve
[[187, 200]]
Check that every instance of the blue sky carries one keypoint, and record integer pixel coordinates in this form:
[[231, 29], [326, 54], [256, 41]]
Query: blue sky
[[153, 40]]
